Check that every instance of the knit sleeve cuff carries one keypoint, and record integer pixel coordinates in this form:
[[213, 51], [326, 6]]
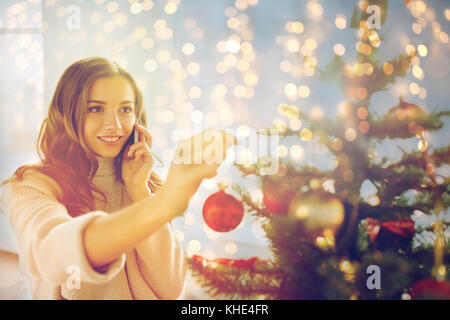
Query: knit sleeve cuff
[[74, 253]]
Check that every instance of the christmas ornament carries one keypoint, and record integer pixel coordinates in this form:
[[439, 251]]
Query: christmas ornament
[[405, 111], [277, 196], [319, 213], [402, 121], [404, 228], [222, 212], [431, 289]]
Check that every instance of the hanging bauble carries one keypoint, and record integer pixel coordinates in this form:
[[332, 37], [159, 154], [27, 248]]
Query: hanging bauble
[[277, 196], [406, 111], [405, 120], [430, 288], [319, 213], [222, 212]]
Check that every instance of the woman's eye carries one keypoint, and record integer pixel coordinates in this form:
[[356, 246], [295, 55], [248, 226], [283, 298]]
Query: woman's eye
[[127, 109], [94, 109]]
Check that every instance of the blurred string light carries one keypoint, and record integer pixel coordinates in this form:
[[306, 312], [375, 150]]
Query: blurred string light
[[422, 50], [350, 134], [282, 151], [316, 113], [305, 134], [295, 124], [297, 152], [340, 21], [211, 234], [194, 247], [304, 91], [231, 248], [189, 219], [290, 111], [339, 49], [170, 8], [315, 10], [179, 235]]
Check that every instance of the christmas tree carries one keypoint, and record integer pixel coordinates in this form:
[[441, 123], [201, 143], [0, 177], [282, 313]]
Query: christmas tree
[[328, 241]]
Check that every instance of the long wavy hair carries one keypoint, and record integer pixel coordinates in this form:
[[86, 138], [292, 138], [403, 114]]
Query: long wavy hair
[[64, 154]]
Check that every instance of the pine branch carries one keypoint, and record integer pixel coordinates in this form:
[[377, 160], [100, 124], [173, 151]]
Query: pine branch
[[441, 156], [262, 278], [389, 126], [395, 182], [380, 79], [408, 174], [384, 212], [292, 171], [251, 207]]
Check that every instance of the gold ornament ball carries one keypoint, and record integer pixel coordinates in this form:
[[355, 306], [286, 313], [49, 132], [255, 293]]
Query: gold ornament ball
[[318, 213]]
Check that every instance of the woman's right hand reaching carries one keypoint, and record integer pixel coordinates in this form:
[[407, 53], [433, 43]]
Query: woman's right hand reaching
[[195, 159]]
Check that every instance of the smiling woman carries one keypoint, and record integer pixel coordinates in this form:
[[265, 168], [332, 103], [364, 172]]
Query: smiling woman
[[121, 246], [110, 116], [86, 106], [81, 144]]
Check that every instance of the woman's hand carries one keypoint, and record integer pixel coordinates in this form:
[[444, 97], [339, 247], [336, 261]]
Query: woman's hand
[[137, 163], [195, 159]]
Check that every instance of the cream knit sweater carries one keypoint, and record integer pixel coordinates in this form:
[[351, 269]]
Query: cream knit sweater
[[51, 247]]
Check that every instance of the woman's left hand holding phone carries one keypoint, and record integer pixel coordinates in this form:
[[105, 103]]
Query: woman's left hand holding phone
[[137, 164]]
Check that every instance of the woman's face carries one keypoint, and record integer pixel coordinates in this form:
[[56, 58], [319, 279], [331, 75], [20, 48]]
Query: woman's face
[[110, 116]]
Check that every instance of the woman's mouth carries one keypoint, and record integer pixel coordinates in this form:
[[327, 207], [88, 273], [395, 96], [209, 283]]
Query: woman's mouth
[[110, 140]]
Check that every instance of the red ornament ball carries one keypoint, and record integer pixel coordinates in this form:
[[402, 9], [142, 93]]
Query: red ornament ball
[[222, 212], [277, 197], [431, 289]]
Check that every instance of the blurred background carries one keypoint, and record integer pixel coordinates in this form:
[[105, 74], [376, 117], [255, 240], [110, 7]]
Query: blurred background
[[199, 63]]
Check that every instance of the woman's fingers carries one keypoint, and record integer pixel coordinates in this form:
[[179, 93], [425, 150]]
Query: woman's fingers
[[145, 153], [208, 147], [215, 146], [143, 132], [140, 146], [135, 146]]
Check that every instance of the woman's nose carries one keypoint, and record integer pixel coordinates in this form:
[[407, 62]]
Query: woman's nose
[[112, 121]]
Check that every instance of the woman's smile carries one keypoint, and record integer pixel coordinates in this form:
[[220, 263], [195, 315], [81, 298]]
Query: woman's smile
[[110, 140]]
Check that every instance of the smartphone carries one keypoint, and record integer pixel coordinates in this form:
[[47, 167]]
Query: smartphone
[[133, 138], [136, 140], [136, 136]]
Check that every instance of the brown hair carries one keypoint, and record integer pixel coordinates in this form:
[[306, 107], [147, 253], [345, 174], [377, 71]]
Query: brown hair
[[64, 154]]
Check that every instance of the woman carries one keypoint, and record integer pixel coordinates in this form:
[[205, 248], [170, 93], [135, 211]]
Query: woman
[[92, 220]]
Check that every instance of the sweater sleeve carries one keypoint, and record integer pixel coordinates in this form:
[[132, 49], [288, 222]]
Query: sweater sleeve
[[162, 263], [50, 241]]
